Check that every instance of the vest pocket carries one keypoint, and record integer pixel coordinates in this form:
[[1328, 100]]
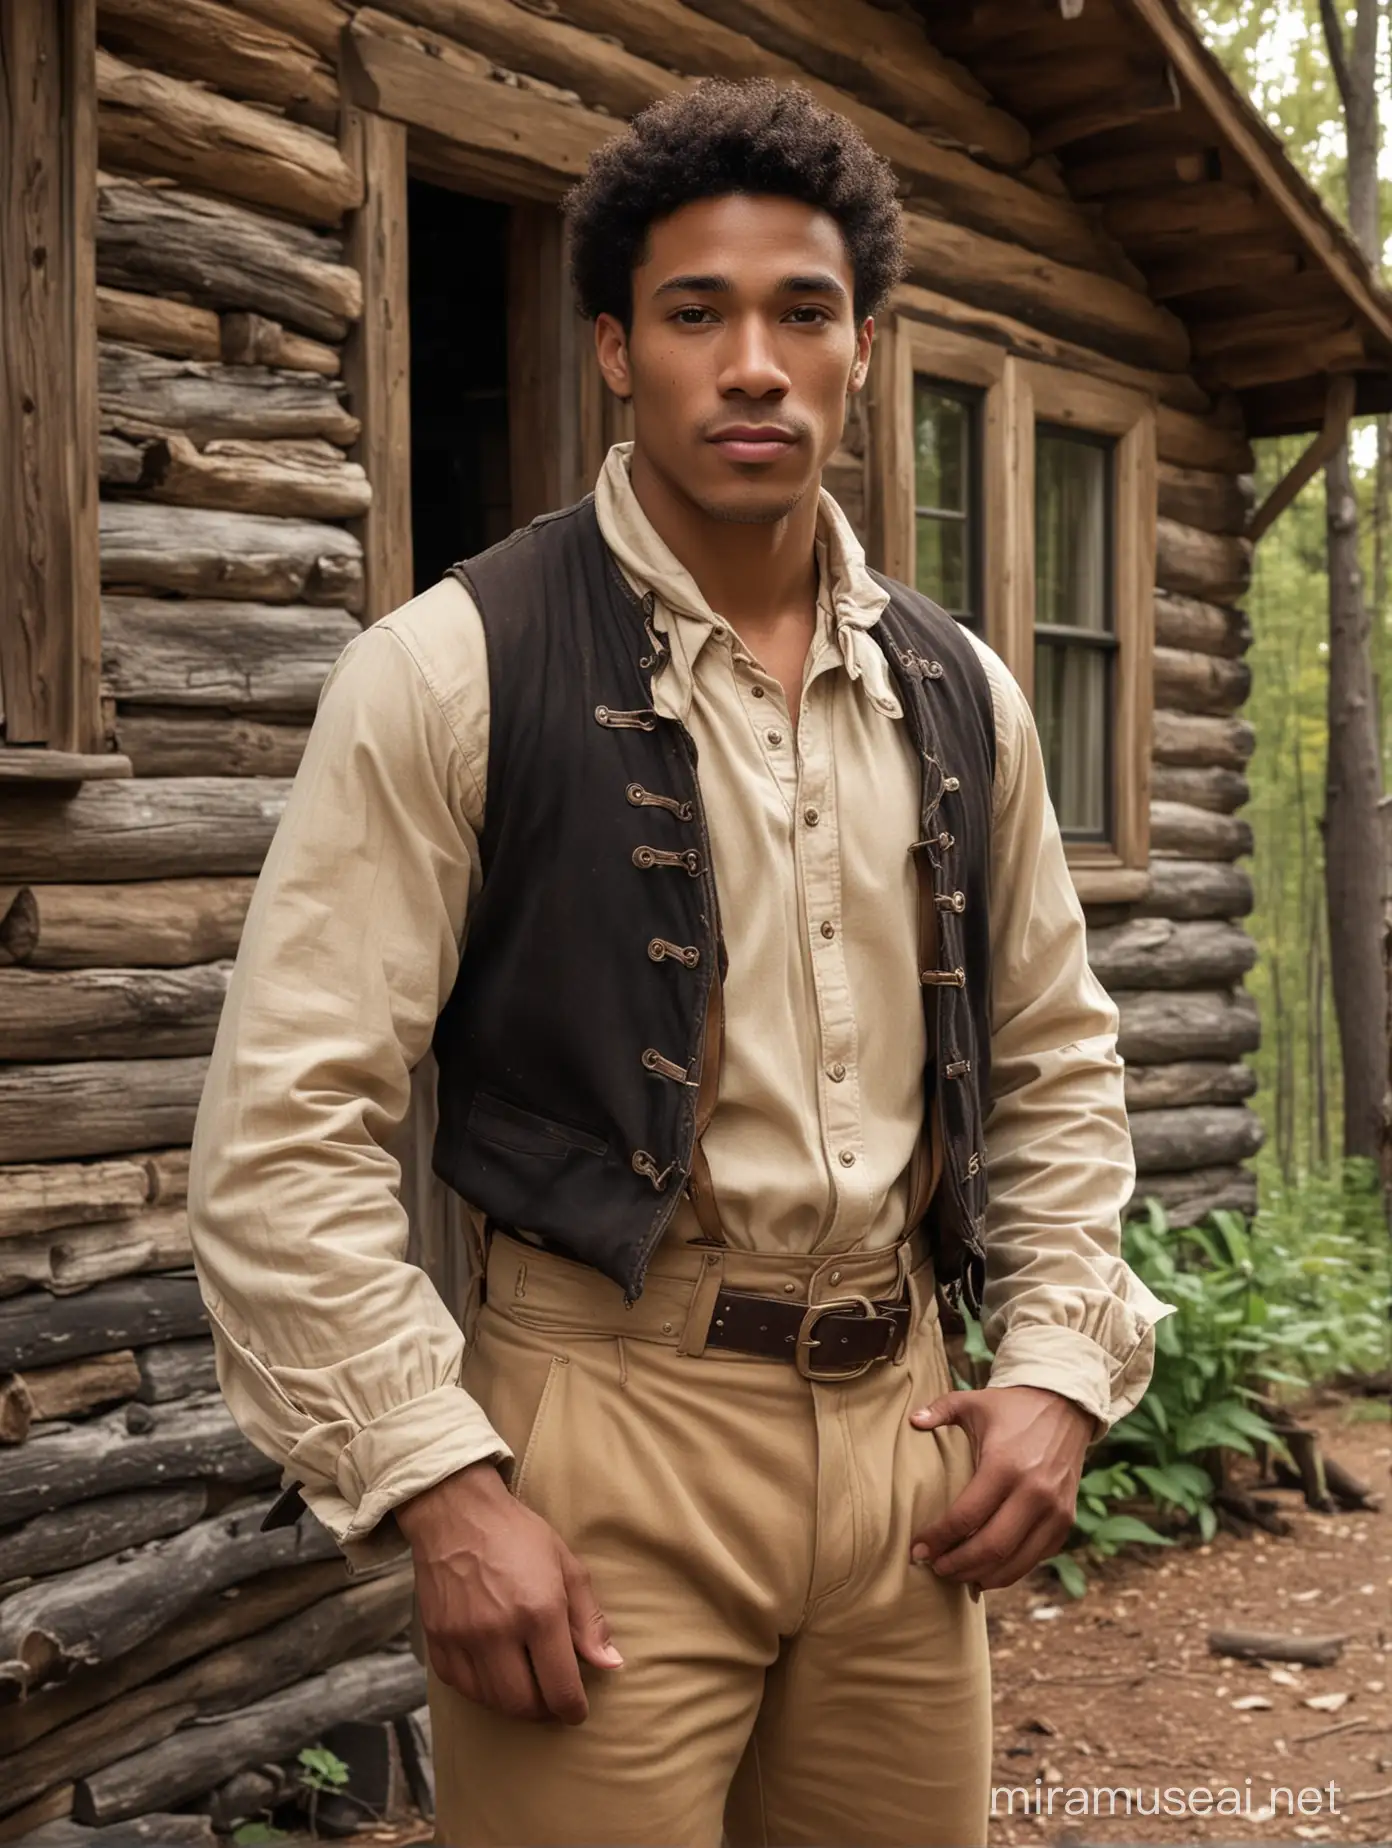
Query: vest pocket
[[508, 1126]]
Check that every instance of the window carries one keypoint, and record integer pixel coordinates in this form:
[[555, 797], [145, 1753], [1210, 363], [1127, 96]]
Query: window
[[947, 496], [1075, 638], [1021, 497]]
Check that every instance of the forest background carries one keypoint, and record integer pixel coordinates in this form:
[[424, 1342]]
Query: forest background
[[1276, 52]]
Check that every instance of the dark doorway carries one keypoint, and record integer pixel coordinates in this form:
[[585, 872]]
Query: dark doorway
[[460, 495]]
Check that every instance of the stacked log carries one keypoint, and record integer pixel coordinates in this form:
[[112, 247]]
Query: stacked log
[[153, 1641], [1175, 961]]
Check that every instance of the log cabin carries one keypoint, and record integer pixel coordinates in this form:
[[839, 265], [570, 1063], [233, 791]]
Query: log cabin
[[284, 329]]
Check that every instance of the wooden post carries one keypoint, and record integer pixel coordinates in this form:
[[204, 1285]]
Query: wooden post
[[548, 348], [49, 637], [377, 358]]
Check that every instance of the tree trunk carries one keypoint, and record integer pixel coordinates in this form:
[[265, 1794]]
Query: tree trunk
[[1352, 789], [1353, 772]]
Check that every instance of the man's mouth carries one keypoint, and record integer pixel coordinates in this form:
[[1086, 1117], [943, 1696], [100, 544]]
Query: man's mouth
[[753, 442]]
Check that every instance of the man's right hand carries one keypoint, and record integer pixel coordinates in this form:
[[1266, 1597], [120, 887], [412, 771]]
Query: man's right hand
[[506, 1607]]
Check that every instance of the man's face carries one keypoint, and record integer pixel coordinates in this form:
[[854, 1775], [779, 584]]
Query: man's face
[[743, 347]]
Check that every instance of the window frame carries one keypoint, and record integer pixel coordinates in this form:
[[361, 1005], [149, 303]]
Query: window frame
[[903, 349], [1114, 870], [1016, 395]]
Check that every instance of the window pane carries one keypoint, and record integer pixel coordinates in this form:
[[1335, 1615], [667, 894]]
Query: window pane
[[1070, 710], [942, 448], [941, 563], [947, 529], [1072, 487]]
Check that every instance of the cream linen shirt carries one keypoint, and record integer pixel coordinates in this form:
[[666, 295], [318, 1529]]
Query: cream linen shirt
[[338, 1357]]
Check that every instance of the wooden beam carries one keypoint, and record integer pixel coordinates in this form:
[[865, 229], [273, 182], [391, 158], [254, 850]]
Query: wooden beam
[[159, 742], [166, 240], [603, 74], [1201, 442], [1176, 216], [218, 44], [1337, 411], [496, 32], [303, 479], [97, 1107], [243, 657], [1089, 309], [1185, 738], [149, 392], [48, 459], [386, 71], [1154, 94], [1174, 388], [153, 828], [1280, 361], [34, 763], [175, 328], [549, 347], [1261, 151], [885, 58], [319, 23], [151, 123], [150, 924], [377, 359], [197, 552], [1257, 260], [256, 340]]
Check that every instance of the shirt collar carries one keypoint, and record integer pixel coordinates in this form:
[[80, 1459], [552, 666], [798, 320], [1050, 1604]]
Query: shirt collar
[[648, 562]]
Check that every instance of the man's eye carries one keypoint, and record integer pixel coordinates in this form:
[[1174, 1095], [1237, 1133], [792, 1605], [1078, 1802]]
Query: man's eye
[[691, 317], [808, 313]]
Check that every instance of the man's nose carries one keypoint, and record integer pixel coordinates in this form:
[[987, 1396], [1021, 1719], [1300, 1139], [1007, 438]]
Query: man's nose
[[752, 366]]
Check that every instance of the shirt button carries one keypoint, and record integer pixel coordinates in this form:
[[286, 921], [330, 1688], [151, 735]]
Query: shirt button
[[828, 928], [847, 1158], [757, 692], [774, 737], [836, 1072], [811, 816]]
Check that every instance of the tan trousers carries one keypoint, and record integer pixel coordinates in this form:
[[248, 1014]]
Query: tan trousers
[[790, 1677]]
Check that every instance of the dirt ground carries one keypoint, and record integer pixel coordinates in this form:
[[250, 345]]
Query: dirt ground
[[1118, 1690]]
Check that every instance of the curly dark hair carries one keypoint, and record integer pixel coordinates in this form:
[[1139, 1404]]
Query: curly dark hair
[[753, 136]]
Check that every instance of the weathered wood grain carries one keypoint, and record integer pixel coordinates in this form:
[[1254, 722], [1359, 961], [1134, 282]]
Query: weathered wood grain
[[166, 240], [195, 552]]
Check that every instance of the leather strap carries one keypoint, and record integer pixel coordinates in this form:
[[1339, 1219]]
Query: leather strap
[[770, 1326], [926, 1168], [699, 1186]]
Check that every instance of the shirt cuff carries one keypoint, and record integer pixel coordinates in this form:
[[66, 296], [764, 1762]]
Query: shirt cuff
[[1108, 1382], [404, 1452]]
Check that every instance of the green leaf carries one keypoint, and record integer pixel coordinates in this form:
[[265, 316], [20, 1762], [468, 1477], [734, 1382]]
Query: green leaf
[[1070, 1574], [1121, 1527]]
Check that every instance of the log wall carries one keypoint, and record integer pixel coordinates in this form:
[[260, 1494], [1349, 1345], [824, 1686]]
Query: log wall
[[239, 491], [159, 1641]]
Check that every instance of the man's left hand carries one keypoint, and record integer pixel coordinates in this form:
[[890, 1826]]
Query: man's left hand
[[1028, 1446]]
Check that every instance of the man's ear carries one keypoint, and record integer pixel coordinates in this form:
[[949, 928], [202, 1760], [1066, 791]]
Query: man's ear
[[611, 350], [865, 339]]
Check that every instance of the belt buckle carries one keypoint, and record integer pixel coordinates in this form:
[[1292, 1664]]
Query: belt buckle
[[806, 1341]]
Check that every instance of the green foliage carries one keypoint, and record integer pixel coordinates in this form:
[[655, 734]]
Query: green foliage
[[253, 1834], [321, 1768], [1302, 1295]]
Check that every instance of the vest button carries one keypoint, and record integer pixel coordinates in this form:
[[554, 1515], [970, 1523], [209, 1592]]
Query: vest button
[[774, 737], [836, 1072], [847, 1158], [811, 816]]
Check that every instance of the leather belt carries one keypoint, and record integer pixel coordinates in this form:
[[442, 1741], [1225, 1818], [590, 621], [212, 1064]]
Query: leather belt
[[835, 1340]]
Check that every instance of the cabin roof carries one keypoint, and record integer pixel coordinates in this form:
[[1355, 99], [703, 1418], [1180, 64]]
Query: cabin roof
[[1145, 127]]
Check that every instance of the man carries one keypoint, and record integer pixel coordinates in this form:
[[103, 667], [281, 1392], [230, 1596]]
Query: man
[[662, 820]]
